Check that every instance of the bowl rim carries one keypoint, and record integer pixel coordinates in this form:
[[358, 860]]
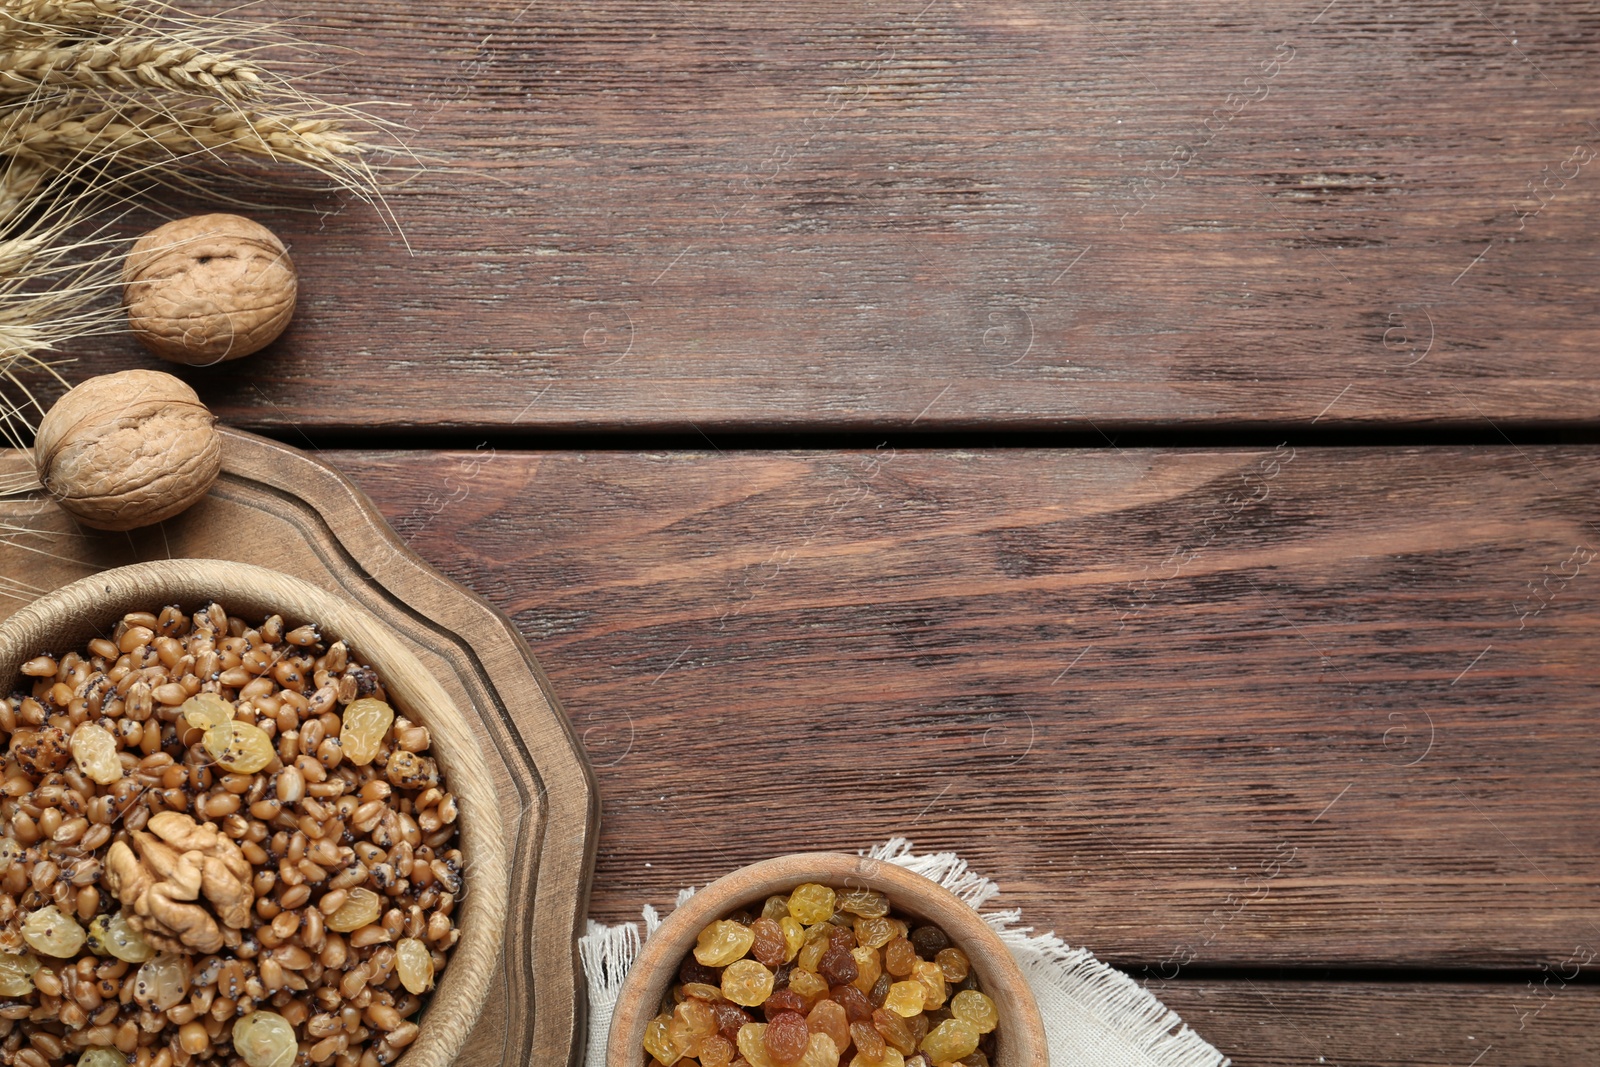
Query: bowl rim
[[1020, 1034], [70, 615]]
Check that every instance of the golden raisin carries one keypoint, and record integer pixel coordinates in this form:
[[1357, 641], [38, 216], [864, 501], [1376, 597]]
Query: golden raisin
[[364, 724], [976, 1008], [869, 1043], [716, 1051], [905, 998], [49, 931], [723, 942], [808, 984], [794, 937], [893, 1029], [658, 1042], [95, 751], [205, 710], [812, 903], [868, 967], [867, 903], [822, 1052], [954, 963], [746, 982], [932, 979], [101, 1056], [810, 957], [239, 746], [898, 956], [828, 1017], [874, 932], [112, 935], [949, 1041], [414, 964], [752, 1045], [16, 974], [361, 908]]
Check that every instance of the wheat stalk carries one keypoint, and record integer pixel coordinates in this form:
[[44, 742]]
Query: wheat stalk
[[99, 99], [156, 65], [65, 13], [125, 137]]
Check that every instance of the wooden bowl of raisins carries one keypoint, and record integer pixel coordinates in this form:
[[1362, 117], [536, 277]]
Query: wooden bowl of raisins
[[304, 940], [822, 959]]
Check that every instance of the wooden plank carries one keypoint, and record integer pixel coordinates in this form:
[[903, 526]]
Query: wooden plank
[[1044, 214], [1279, 1023], [1327, 706]]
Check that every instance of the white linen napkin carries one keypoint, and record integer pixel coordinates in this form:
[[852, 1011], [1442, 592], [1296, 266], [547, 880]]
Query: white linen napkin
[[1094, 1015]]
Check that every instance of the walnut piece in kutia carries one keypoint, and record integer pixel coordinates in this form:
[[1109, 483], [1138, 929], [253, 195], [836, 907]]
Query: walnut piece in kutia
[[180, 861]]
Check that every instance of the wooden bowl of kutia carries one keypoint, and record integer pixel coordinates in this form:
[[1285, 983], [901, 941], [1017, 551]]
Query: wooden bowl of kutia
[[279, 839], [823, 959]]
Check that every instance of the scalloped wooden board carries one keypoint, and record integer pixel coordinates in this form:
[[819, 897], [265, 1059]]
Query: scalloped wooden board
[[278, 507]]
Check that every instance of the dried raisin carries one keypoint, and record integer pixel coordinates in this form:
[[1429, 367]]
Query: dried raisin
[[867, 903], [891, 1026], [812, 903], [829, 1017], [867, 1040], [49, 931], [932, 979], [95, 751], [838, 967], [730, 1017], [954, 963], [768, 946], [905, 999], [854, 1002], [874, 932], [265, 1039], [746, 982], [716, 1051], [241, 747], [929, 941], [693, 970], [362, 730], [786, 1038], [808, 984], [785, 1000], [976, 1008], [949, 1041], [868, 968], [898, 956], [723, 942]]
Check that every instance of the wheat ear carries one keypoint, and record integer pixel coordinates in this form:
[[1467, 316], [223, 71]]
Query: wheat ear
[[130, 65]]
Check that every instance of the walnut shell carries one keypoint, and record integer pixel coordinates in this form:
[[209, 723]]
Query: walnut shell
[[127, 450], [208, 288]]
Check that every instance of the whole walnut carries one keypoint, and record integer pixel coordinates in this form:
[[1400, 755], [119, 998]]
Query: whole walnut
[[128, 449], [208, 288]]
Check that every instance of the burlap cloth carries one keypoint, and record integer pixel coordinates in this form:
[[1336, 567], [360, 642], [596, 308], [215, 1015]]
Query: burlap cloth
[[1094, 1015]]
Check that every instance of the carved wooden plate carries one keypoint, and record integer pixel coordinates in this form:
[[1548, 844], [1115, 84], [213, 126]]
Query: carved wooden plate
[[279, 508]]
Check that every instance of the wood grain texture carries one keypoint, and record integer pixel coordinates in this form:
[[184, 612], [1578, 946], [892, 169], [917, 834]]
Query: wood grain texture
[[277, 507], [1333, 706], [1039, 213], [1287, 1023]]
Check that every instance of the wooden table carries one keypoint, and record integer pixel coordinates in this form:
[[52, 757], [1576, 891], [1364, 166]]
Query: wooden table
[[1146, 448]]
